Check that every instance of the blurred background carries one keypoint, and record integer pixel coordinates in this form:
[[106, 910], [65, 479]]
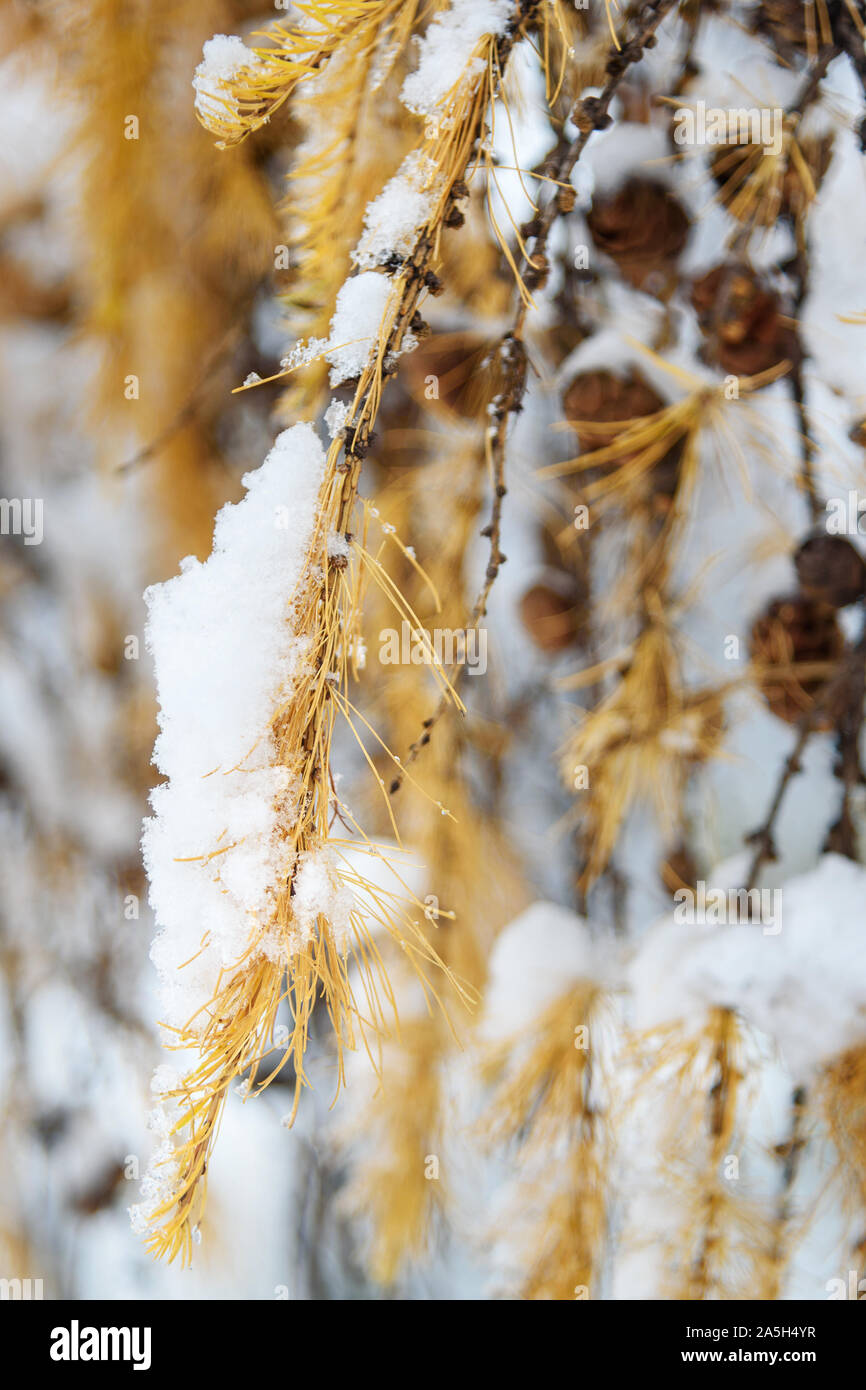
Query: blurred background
[[144, 275], [138, 279]]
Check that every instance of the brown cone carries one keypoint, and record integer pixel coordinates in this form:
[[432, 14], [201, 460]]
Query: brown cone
[[642, 227], [602, 397], [742, 321], [792, 631], [605, 398], [551, 616], [830, 569]]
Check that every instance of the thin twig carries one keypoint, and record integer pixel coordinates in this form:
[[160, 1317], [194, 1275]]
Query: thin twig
[[850, 673], [590, 114], [842, 835], [790, 1152], [799, 271]]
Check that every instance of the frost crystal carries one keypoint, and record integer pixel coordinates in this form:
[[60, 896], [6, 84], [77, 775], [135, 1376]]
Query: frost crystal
[[335, 417], [303, 353]]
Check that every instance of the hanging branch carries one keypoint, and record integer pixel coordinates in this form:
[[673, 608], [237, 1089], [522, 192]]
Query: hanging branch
[[240, 1017], [799, 271], [589, 115]]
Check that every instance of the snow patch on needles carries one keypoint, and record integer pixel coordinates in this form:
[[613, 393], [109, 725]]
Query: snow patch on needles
[[226, 656], [223, 57], [805, 987], [456, 31], [355, 326], [353, 338], [536, 959], [393, 220], [320, 891]]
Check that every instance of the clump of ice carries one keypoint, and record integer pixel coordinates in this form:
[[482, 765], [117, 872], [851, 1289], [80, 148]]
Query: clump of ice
[[160, 1182], [393, 220], [538, 956], [336, 416], [444, 52], [338, 546], [226, 656], [223, 57], [804, 986], [355, 326], [303, 353]]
